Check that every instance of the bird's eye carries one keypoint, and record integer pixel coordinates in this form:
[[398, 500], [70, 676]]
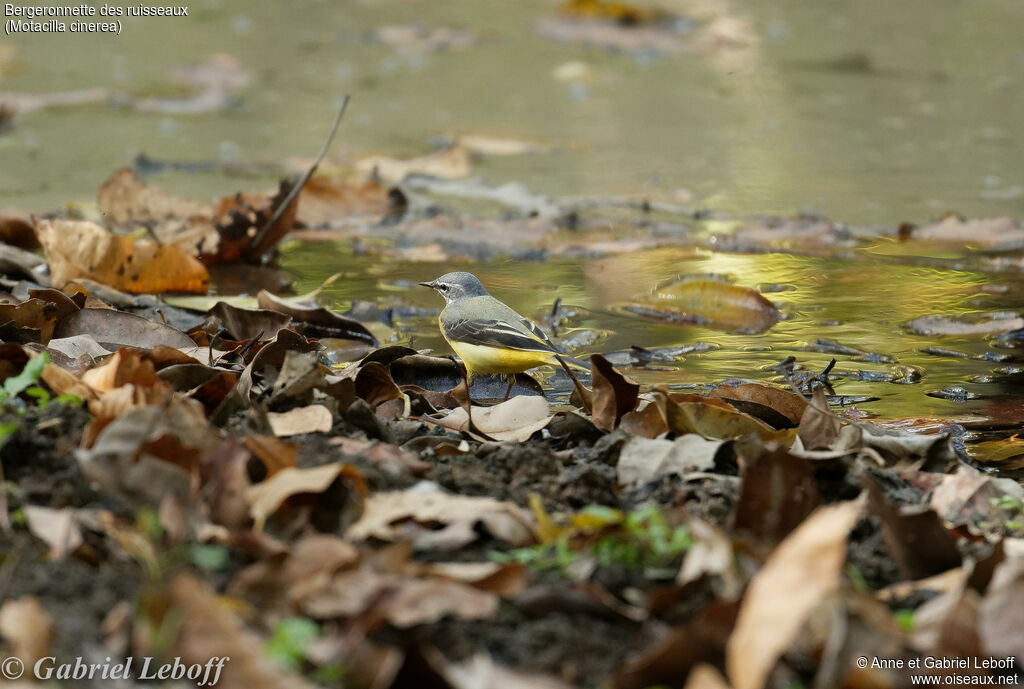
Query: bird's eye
[[443, 288]]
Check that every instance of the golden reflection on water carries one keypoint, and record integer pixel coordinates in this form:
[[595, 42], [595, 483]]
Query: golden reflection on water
[[856, 302]]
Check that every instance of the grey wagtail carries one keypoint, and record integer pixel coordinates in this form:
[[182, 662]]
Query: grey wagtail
[[487, 335]]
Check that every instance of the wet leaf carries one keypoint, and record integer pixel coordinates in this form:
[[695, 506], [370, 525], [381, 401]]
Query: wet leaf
[[987, 232], [714, 303], [77, 249], [785, 403], [796, 578], [708, 417], [614, 395], [317, 321], [943, 325]]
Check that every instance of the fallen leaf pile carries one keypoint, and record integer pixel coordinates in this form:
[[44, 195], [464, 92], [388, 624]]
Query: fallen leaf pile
[[224, 475]]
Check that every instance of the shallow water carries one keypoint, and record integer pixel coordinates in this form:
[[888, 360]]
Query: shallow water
[[869, 112]]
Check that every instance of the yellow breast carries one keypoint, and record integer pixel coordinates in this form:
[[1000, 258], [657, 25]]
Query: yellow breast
[[482, 360]]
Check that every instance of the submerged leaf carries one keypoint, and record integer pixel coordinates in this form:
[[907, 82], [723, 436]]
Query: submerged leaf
[[714, 303]]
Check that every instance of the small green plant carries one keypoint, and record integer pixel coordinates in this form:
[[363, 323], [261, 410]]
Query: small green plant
[[289, 646], [26, 382], [638, 540], [905, 619], [1013, 510]]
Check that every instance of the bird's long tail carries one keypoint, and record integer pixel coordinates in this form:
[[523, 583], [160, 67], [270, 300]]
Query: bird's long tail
[[575, 363]]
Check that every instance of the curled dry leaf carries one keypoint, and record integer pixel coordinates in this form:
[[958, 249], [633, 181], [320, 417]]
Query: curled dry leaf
[[714, 303], [797, 576], [79, 249], [748, 396], [614, 395], [710, 418], [513, 420], [267, 497], [384, 513]]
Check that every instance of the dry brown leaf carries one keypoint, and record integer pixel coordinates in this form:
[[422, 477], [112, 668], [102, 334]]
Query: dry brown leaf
[[819, 427], [265, 498], [797, 576], [710, 418], [513, 420], [327, 201], [642, 459], [315, 418], [614, 395], [786, 403], [385, 513], [210, 630], [126, 201], [57, 528], [424, 601], [79, 249], [28, 628]]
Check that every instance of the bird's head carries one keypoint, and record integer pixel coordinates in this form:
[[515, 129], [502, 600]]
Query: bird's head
[[455, 286]]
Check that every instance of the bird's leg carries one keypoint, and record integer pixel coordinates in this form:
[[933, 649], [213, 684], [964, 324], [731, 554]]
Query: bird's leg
[[511, 382]]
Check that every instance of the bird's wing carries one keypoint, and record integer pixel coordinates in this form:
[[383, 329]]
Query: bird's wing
[[498, 333]]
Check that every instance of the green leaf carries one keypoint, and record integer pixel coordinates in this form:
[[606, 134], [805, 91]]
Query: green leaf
[[6, 429], [290, 641], [41, 396], [28, 376], [209, 557]]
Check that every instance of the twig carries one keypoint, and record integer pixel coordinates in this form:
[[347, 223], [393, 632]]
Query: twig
[[265, 230]]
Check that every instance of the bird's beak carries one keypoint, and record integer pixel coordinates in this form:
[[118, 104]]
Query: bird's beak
[[427, 284]]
